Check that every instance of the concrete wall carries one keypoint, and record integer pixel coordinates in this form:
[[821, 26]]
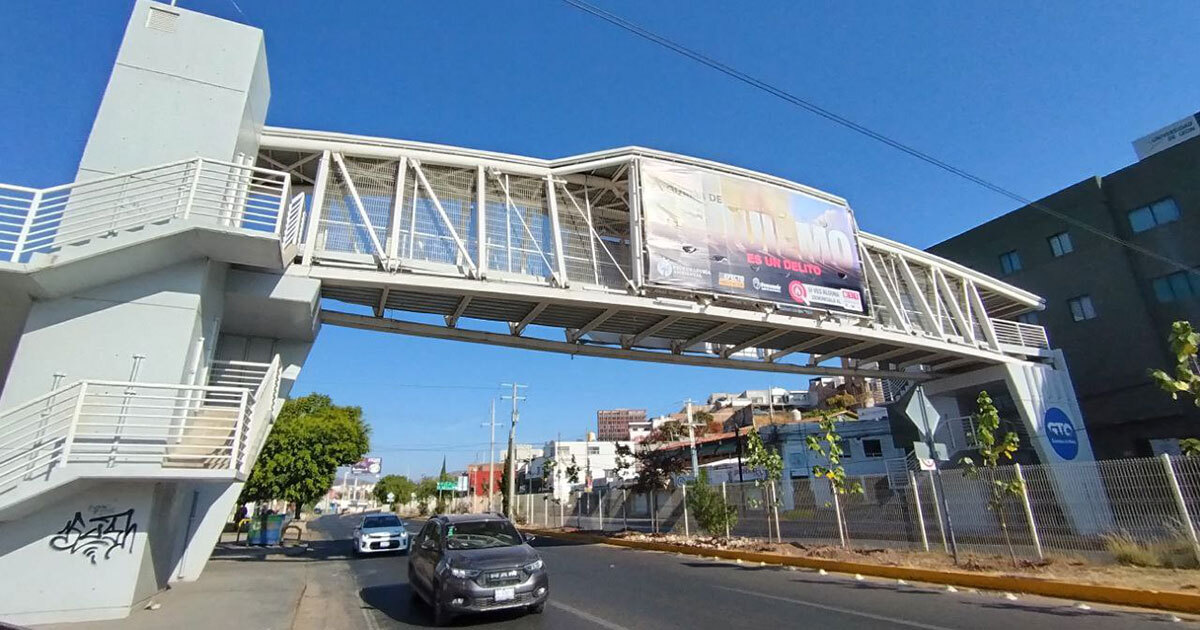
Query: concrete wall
[[96, 333], [68, 568], [182, 86]]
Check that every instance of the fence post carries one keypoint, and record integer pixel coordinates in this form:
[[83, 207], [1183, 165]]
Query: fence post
[[1037, 540], [837, 510], [26, 227], [912, 483], [546, 511], [686, 532], [937, 510], [775, 509], [1181, 504], [725, 503], [600, 504], [625, 507], [561, 517]]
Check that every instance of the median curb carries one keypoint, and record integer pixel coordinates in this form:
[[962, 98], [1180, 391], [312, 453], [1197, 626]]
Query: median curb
[[1164, 600]]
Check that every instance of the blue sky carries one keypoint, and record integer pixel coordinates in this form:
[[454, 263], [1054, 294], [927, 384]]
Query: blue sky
[[1031, 95]]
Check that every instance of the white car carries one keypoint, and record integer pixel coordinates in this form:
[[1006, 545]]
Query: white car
[[380, 532]]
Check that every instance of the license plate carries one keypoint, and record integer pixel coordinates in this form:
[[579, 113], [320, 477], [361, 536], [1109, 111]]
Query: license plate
[[391, 543], [505, 594]]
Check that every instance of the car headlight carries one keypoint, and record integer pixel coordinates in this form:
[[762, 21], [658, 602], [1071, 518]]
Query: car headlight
[[464, 574], [533, 566]]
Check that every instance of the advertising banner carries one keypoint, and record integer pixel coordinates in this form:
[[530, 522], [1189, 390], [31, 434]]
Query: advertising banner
[[367, 466], [725, 234]]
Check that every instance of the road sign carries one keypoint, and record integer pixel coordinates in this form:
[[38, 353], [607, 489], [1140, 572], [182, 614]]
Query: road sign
[[450, 486], [927, 463]]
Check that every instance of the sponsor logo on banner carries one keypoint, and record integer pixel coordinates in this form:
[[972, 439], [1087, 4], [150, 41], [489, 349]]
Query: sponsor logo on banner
[[732, 280], [798, 291], [759, 285]]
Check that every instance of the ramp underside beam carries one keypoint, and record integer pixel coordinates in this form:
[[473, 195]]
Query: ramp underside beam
[[366, 322]]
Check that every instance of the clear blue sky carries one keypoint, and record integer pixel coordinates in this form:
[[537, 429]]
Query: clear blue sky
[[1032, 95]]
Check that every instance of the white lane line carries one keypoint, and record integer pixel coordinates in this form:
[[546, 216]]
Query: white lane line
[[858, 613], [604, 623]]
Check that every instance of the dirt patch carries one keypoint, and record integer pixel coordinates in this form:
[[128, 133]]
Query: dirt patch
[[1065, 568]]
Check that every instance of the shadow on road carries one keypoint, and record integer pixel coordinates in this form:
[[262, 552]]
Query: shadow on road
[[398, 603], [546, 542], [314, 551]]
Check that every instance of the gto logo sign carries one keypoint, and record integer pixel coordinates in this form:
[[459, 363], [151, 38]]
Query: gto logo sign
[[1060, 432]]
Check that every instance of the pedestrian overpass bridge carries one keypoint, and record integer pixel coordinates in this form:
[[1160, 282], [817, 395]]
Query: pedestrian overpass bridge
[[155, 312]]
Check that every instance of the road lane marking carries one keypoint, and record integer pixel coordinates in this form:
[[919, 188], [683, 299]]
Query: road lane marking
[[604, 623], [369, 615], [858, 613]]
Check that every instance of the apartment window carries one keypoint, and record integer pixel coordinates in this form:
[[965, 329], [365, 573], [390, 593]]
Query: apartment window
[[1010, 262], [1028, 318], [564, 450], [845, 448], [872, 448], [1155, 214], [593, 450], [1081, 308], [1180, 285], [797, 460], [1060, 244]]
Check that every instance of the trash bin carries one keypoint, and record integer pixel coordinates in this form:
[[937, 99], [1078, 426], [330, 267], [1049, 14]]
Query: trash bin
[[266, 529]]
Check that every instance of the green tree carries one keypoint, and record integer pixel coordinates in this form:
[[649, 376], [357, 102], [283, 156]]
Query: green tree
[[712, 512], [1186, 376], [840, 401], [828, 447], [442, 496], [309, 440], [548, 467], [991, 450], [657, 469], [572, 471], [702, 417], [399, 485], [625, 460], [770, 463], [425, 490]]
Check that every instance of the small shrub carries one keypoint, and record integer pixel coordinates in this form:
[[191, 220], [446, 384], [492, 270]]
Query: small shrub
[[1172, 552], [709, 508]]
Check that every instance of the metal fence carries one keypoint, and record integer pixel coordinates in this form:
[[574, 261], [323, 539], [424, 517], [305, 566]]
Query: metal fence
[[1079, 509]]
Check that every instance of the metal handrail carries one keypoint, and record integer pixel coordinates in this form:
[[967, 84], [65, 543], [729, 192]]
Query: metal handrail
[[83, 423], [34, 220]]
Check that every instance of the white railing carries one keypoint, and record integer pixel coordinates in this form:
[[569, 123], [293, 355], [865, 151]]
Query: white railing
[[1020, 334], [110, 423], [293, 222], [48, 219], [261, 416]]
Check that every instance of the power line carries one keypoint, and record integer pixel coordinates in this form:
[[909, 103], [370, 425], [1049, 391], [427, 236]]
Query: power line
[[831, 116]]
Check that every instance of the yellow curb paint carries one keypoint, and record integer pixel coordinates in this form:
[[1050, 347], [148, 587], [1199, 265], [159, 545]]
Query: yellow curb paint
[[1165, 600]]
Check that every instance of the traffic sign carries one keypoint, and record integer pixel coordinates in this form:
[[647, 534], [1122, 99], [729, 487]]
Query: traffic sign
[[1060, 432], [447, 485]]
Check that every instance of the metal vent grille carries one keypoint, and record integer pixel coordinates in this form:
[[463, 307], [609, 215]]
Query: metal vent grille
[[161, 20]]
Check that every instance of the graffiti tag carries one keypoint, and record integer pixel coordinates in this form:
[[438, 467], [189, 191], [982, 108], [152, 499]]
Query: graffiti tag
[[98, 536]]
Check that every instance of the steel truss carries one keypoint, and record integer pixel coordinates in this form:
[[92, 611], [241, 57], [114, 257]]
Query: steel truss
[[409, 227]]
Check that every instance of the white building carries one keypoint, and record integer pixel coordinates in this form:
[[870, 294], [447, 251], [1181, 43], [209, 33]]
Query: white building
[[594, 458]]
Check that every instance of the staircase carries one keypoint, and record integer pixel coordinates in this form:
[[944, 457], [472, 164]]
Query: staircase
[[94, 428]]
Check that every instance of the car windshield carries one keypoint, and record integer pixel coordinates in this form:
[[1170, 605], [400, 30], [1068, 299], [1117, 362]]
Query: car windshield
[[385, 520], [481, 535]]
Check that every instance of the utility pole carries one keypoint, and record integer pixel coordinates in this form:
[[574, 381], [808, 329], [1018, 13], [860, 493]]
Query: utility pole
[[692, 438], [492, 461], [511, 470]]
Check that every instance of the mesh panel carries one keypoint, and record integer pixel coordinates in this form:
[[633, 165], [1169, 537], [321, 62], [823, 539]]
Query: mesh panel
[[519, 235], [341, 227], [424, 234], [589, 252]]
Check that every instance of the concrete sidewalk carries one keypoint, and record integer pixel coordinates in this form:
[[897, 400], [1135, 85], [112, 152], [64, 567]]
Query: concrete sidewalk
[[254, 588]]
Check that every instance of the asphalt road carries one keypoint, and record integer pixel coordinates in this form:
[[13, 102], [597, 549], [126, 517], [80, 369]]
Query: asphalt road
[[602, 587]]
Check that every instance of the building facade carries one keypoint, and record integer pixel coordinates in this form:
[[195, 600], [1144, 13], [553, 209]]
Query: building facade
[[612, 425], [1109, 307]]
